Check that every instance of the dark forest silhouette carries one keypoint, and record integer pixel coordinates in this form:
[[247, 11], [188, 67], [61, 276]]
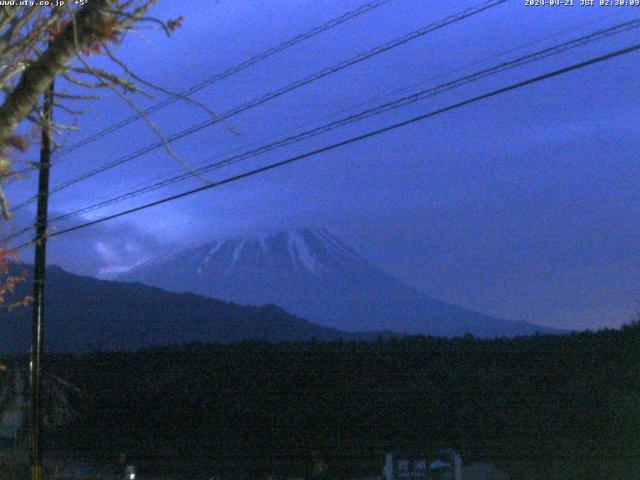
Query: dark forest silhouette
[[538, 407]]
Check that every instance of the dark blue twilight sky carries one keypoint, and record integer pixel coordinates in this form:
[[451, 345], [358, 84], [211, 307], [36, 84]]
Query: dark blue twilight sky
[[524, 206]]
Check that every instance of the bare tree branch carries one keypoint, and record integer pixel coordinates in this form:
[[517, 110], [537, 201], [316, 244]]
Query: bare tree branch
[[38, 44]]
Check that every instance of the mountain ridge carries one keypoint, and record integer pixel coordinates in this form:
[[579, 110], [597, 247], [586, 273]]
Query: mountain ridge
[[313, 274], [87, 314]]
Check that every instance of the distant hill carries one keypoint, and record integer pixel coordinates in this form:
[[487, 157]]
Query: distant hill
[[313, 274], [83, 314]]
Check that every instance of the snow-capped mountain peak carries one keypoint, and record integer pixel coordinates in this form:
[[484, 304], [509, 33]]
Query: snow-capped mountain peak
[[304, 250], [313, 274]]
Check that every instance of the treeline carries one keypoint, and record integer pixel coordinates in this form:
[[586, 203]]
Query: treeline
[[537, 407]]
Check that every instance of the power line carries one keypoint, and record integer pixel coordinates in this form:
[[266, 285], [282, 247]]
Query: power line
[[535, 56], [277, 93], [227, 73], [349, 141], [166, 177], [365, 8], [415, 97]]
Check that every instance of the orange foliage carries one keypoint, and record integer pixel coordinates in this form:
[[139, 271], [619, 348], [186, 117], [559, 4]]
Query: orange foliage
[[9, 281]]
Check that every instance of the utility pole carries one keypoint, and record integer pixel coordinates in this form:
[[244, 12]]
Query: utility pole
[[35, 365]]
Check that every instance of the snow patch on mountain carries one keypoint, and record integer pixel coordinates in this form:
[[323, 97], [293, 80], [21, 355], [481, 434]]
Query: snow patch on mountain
[[305, 250], [212, 251], [301, 254], [236, 255]]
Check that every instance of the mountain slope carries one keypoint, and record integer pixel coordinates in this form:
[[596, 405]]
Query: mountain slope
[[311, 273], [83, 313]]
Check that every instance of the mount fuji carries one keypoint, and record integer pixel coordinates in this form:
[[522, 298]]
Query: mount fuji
[[314, 275]]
